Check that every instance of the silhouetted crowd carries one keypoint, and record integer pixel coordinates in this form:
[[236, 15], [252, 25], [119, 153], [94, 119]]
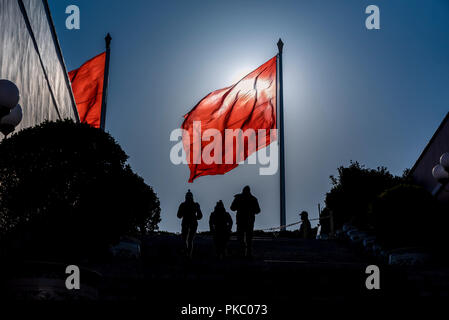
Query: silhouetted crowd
[[220, 222]]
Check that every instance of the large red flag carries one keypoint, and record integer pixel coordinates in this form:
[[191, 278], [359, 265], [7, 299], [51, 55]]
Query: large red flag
[[87, 86], [249, 105]]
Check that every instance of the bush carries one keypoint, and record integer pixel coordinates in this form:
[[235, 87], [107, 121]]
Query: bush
[[66, 190], [354, 189], [405, 215]]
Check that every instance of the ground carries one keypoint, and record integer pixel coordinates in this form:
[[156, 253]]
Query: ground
[[285, 274]]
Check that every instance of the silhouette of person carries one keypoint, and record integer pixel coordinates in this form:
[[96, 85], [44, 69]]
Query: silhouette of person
[[220, 223], [190, 212], [305, 230], [247, 207]]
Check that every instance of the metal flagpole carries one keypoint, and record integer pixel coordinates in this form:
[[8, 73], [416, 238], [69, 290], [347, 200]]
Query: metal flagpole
[[105, 82], [280, 95]]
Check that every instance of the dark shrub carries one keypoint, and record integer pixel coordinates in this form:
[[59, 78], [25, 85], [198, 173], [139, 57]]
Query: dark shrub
[[353, 190], [405, 215], [66, 191]]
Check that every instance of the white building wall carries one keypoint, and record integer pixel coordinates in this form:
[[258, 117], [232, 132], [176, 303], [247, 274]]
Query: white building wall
[[37, 68], [422, 170]]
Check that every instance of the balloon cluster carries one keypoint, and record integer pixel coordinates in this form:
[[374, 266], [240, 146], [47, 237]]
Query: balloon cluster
[[441, 170], [10, 109]]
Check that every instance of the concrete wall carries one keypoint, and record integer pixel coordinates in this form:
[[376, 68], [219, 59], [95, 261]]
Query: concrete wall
[[422, 170], [36, 67]]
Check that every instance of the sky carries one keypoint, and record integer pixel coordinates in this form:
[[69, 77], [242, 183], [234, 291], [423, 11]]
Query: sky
[[373, 96]]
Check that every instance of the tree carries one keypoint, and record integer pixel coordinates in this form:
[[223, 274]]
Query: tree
[[145, 206], [66, 189], [354, 189], [406, 215]]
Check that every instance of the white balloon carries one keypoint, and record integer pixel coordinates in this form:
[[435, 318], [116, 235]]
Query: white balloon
[[440, 173], [9, 94], [14, 117], [444, 160]]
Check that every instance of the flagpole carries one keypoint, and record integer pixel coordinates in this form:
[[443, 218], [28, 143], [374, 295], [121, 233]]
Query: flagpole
[[280, 92], [107, 39]]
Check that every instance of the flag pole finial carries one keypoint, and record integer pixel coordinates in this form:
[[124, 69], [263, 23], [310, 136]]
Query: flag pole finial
[[108, 39], [280, 45]]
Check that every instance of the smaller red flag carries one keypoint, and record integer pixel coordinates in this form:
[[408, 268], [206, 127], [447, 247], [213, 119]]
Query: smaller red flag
[[87, 87]]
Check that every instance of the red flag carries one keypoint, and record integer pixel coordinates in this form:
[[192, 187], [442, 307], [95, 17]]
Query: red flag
[[87, 87], [249, 105]]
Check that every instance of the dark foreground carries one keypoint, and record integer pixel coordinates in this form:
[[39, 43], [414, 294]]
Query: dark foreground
[[287, 275]]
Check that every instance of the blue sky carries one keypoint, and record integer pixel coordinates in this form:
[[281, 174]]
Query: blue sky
[[374, 96]]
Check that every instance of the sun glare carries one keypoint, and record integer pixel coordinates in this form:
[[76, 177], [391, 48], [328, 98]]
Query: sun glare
[[239, 74]]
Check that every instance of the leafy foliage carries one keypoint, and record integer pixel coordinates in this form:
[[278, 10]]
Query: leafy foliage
[[66, 186], [354, 189], [404, 216]]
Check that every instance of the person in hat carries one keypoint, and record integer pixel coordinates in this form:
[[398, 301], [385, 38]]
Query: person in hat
[[305, 228], [190, 212], [220, 223]]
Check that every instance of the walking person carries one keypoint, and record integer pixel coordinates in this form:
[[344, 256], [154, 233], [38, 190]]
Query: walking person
[[220, 223], [247, 207], [190, 212]]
